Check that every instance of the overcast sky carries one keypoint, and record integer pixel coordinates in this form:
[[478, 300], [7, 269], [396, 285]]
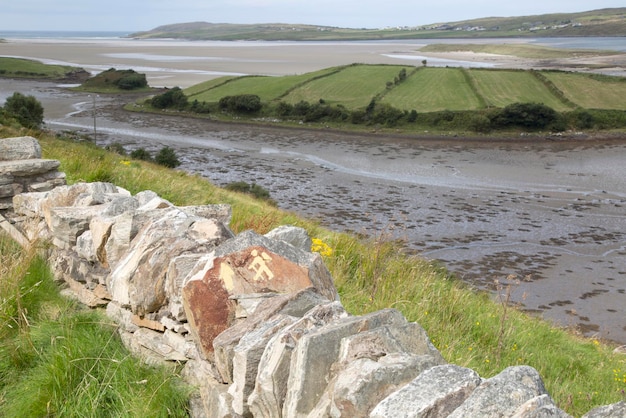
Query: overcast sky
[[137, 15]]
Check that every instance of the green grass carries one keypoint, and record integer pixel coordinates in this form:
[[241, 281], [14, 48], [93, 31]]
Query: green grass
[[434, 89], [589, 91], [469, 328], [58, 359], [353, 87], [24, 68], [501, 88], [267, 88]]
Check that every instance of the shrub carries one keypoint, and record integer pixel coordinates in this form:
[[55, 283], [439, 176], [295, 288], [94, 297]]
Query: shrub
[[130, 80], [140, 154], [480, 123], [582, 119], [525, 115], [25, 109], [173, 98], [242, 103], [117, 148], [253, 189], [167, 157], [200, 107]]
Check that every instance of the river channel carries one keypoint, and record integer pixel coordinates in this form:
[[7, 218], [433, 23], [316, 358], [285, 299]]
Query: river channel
[[548, 217]]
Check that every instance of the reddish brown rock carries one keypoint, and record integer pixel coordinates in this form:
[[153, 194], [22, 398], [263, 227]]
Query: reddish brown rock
[[209, 303]]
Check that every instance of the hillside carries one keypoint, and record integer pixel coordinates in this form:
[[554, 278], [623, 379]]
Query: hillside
[[602, 22]]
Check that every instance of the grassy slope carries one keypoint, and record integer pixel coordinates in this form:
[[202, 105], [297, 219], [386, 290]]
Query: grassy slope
[[501, 88], [591, 92], [58, 359], [605, 22], [354, 86], [17, 67], [434, 89], [468, 328]]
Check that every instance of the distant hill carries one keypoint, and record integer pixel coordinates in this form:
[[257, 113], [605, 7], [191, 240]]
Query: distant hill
[[602, 22]]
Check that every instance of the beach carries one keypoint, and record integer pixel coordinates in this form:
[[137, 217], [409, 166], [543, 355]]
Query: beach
[[545, 217], [170, 63]]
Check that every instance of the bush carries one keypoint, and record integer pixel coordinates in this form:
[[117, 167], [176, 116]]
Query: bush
[[525, 115], [116, 147], [243, 103], [140, 154], [167, 157], [132, 80], [173, 98], [252, 189], [25, 109]]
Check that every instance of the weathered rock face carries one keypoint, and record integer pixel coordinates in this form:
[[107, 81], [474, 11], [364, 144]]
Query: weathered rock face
[[248, 267], [256, 318], [23, 170]]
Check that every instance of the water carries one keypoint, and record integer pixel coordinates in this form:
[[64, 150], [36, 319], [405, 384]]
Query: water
[[22, 34]]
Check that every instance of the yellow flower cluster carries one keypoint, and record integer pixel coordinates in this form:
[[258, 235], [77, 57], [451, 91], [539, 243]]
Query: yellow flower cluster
[[125, 162], [619, 376], [319, 246]]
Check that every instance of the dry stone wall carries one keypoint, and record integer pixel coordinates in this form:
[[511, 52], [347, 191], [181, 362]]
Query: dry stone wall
[[23, 170], [256, 319]]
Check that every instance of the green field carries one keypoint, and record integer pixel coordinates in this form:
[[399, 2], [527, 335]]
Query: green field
[[501, 88], [17, 67], [267, 88], [425, 89], [353, 87], [434, 89], [591, 92]]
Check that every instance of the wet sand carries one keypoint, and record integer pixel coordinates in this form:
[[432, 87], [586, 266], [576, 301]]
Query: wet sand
[[546, 217], [172, 63]]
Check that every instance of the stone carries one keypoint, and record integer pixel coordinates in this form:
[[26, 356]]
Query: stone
[[434, 393], [19, 148], [178, 270], [318, 273], [28, 168], [620, 350], [209, 303], [122, 317], [212, 398], [293, 304], [69, 265], [373, 344], [502, 394], [155, 342], [541, 406], [363, 383], [247, 355], [616, 410], [85, 246], [316, 352], [66, 224], [298, 237], [219, 212], [371, 364], [138, 279], [85, 296], [147, 323], [267, 399]]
